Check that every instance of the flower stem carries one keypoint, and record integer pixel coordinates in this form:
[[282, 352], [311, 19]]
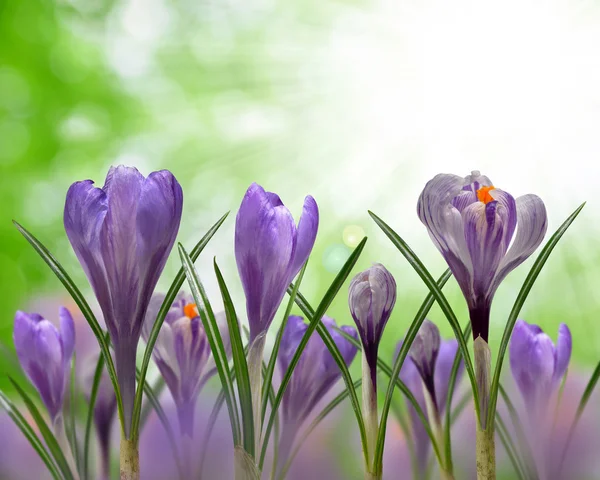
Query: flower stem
[[369, 397], [486, 453], [129, 459]]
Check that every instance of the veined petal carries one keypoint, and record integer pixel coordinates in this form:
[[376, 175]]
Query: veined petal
[[532, 223], [443, 369], [445, 225], [564, 345], [424, 352], [306, 233]]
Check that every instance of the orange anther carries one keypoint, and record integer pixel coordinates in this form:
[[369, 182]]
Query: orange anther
[[190, 310], [483, 194]]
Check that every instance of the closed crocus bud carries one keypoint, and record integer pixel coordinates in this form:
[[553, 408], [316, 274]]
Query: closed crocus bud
[[270, 250], [537, 364], [122, 235], [424, 353], [45, 354], [371, 296]]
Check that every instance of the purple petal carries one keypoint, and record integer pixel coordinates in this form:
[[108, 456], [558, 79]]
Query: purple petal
[[265, 243], [424, 352], [445, 225], [443, 369], [67, 333], [532, 223], [307, 233], [564, 345], [532, 361]]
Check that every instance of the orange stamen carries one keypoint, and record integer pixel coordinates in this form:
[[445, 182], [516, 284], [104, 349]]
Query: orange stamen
[[483, 194], [190, 310]]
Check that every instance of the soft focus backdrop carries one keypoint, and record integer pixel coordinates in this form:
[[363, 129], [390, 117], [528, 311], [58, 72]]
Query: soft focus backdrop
[[357, 102]]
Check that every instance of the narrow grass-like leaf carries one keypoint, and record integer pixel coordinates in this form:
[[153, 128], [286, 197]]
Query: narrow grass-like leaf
[[384, 367], [239, 363], [587, 393], [510, 448], [160, 318], [535, 270], [451, 385], [528, 462], [314, 322], [314, 424], [29, 434], [157, 388], [214, 338], [47, 435], [84, 307], [273, 359], [440, 298], [90, 415], [71, 426]]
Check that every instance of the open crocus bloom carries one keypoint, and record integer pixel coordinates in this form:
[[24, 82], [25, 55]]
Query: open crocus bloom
[[473, 225]]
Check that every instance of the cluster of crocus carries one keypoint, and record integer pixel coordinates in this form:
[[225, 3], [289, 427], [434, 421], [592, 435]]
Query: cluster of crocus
[[123, 234]]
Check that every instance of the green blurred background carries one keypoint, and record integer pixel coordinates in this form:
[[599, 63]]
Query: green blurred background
[[357, 102]]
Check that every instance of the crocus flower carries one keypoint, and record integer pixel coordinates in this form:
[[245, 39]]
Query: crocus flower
[[182, 352], [122, 234], [472, 223], [270, 251], [537, 364], [315, 374], [45, 354], [371, 297], [429, 364]]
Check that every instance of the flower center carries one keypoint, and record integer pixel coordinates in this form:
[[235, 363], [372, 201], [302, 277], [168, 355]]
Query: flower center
[[483, 194], [190, 310]]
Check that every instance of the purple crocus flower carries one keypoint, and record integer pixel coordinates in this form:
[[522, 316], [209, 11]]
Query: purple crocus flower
[[122, 234], [537, 364], [472, 223], [315, 374], [429, 364], [182, 352], [270, 251], [371, 297], [45, 355]]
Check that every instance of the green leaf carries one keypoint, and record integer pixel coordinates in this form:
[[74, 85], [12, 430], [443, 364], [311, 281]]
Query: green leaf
[[527, 459], [157, 388], [240, 365], [535, 270], [71, 426], [90, 414], [314, 424], [164, 420], [440, 298], [510, 448], [160, 318], [47, 434], [589, 389], [30, 435], [86, 311], [314, 322], [215, 341], [451, 384], [273, 359]]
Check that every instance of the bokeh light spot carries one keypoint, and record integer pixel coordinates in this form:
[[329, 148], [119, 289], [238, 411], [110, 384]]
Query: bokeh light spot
[[352, 235], [335, 256]]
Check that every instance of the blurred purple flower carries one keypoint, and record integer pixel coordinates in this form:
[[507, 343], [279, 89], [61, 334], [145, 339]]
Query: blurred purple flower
[[472, 223], [45, 354], [315, 374], [428, 364], [122, 234], [536, 364], [182, 352], [270, 251], [371, 297]]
